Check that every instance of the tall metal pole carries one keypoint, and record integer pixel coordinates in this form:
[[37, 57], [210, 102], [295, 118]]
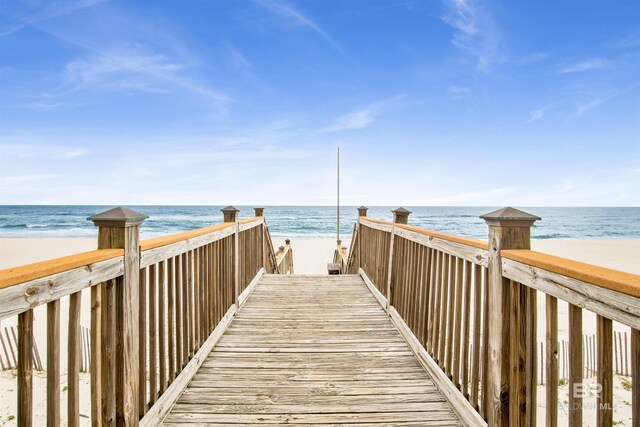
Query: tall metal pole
[[338, 208]]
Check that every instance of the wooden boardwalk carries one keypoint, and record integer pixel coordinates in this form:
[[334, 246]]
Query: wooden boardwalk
[[312, 350]]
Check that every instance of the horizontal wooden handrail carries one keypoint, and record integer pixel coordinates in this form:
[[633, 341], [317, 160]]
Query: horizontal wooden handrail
[[25, 273], [157, 242], [615, 280], [450, 237]]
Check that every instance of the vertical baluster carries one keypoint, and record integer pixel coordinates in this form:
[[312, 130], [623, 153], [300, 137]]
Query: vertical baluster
[[162, 349], [195, 283], [517, 385], [162, 332], [431, 310], [457, 332], [142, 342], [425, 315], [192, 304], [552, 361], [444, 278], [435, 332], [184, 266], [207, 291], [635, 375], [25, 368], [575, 365], [466, 312], [73, 367], [153, 374], [201, 293], [530, 318], [171, 282], [108, 333], [477, 311], [179, 326], [53, 363], [604, 412], [96, 358], [485, 343]]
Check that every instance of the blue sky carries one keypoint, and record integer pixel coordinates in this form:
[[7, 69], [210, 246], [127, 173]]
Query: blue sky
[[212, 102]]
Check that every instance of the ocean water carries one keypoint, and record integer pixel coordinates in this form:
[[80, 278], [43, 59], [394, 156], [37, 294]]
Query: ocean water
[[320, 221]]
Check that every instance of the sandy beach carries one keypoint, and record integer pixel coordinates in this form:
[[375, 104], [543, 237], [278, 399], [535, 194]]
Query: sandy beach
[[311, 256]]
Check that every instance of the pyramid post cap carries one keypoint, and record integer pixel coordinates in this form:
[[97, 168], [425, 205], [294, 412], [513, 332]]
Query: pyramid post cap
[[401, 210], [230, 208], [510, 214], [362, 207], [118, 216]]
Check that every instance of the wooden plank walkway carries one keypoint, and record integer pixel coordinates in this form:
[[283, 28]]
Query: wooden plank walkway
[[312, 350]]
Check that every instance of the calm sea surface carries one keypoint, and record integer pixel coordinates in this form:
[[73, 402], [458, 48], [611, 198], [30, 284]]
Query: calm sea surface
[[319, 221]]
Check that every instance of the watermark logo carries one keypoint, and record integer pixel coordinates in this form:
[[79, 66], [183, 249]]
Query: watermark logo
[[589, 392]]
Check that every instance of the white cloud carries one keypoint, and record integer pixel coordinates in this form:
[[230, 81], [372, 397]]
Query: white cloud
[[591, 64], [536, 115], [351, 121], [583, 107], [51, 10], [104, 67], [299, 18], [458, 92], [134, 69], [364, 117], [474, 33]]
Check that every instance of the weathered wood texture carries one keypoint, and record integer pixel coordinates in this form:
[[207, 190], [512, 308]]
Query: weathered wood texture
[[188, 295], [284, 259], [154, 305], [438, 295], [250, 255], [311, 350], [376, 244], [473, 309]]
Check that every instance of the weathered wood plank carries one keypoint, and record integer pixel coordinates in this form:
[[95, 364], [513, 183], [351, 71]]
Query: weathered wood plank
[[608, 303], [19, 298], [53, 361], [73, 367], [296, 353], [25, 366]]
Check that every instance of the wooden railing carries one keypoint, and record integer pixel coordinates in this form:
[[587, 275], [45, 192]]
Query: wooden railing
[[469, 310], [284, 258], [157, 308], [341, 257]]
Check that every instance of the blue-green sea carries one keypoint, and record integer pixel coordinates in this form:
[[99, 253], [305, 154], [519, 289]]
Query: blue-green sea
[[320, 221]]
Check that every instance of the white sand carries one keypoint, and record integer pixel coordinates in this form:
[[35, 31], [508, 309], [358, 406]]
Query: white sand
[[310, 257]]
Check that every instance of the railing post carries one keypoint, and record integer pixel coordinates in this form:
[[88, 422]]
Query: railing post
[[120, 228], [400, 216], [230, 214], [287, 245], [362, 212], [509, 228], [259, 213]]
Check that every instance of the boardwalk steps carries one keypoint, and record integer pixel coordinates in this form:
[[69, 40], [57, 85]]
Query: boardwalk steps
[[311, 350]]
